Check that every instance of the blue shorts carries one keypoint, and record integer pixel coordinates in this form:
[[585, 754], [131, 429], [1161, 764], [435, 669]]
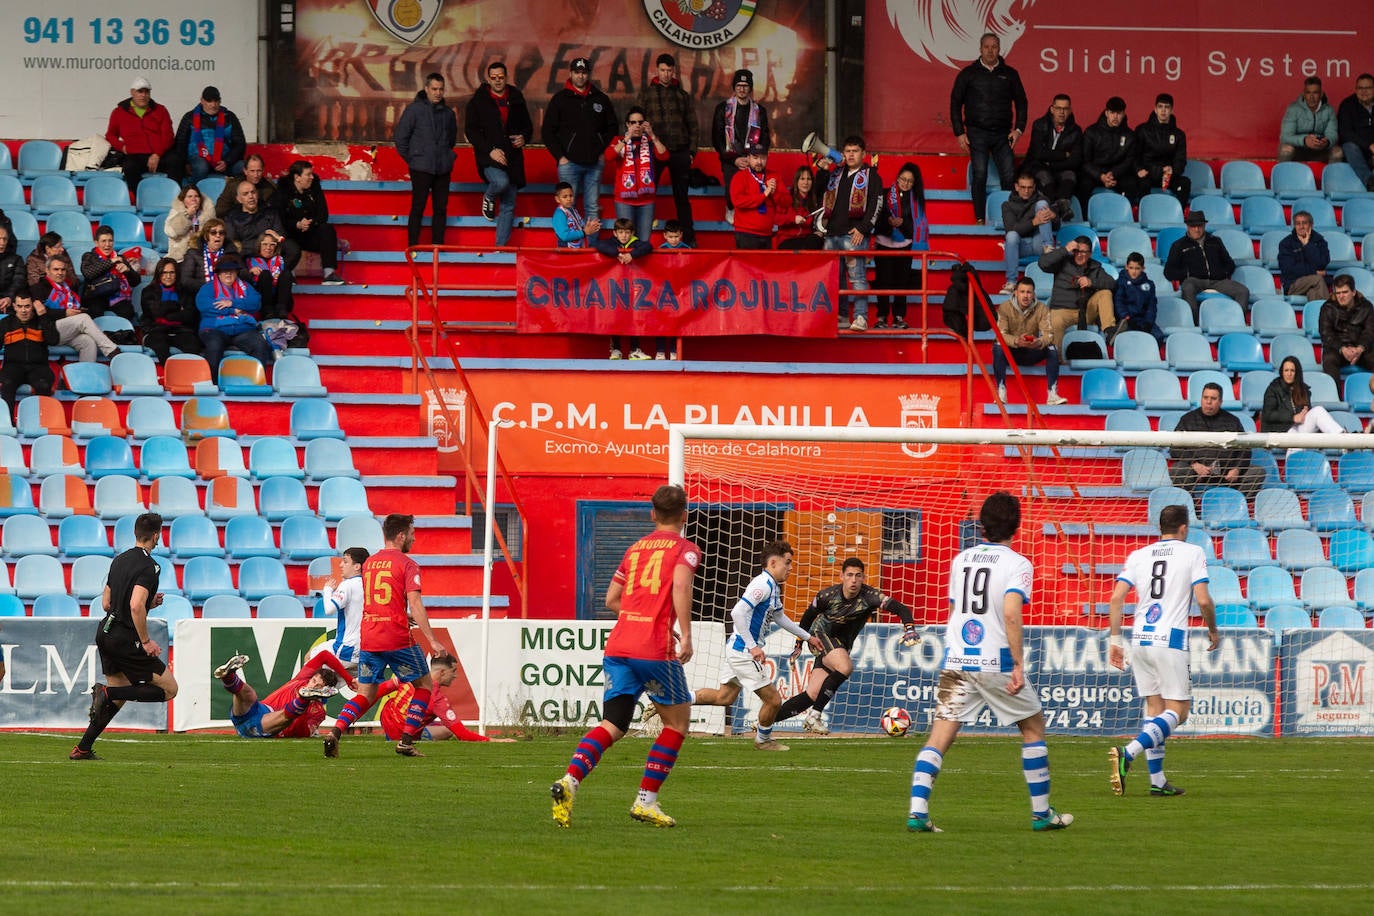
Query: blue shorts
[[664, 681], [249, 725], [407, 664]]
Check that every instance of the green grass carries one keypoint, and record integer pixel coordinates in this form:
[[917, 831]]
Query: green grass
[[181, 824]]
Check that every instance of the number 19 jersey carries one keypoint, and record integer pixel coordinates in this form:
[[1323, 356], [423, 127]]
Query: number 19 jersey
[[645, 627], [1163, 575], [980, 578]]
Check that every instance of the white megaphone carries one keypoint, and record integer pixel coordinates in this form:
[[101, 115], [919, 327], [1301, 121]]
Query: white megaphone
[[814, 144]]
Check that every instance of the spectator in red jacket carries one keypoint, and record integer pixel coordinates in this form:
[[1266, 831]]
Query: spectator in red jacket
[[760, 203], [141, 129]]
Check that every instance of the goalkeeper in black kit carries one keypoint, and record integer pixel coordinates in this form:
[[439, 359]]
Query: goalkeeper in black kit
[[835, 616]]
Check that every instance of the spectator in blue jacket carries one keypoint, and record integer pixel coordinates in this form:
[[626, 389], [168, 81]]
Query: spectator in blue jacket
[[1135, 301], [228, 307], [1303, 258], [425, 136]]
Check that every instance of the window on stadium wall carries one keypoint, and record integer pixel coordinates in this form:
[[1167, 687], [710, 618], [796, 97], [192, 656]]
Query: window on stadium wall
[[360, 62]]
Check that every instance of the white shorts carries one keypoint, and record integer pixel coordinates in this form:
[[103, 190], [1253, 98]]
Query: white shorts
[[740, 668], [961, 696], [1161, 671]]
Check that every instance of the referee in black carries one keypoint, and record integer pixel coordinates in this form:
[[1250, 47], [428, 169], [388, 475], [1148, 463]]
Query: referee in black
[[130, 658]]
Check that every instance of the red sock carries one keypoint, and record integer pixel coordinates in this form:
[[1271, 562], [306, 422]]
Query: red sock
[[415, 712], [589, 751], [352, 711], [662, 756]]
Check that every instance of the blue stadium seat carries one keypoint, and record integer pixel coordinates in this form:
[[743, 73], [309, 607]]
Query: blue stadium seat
[[315, 419], [6, 588], [217, 456], [56, 604], [1163, 496], [40, 415], [83, 536], [1306, 470], [88, 577], [1339, 181], [1160, 210], [1093, 337], [1340, 618], [1260, 214], [297, 377], [116, 497], [1253, 385], [1196, 380], [1266, 462], [12, 197], [1100, 389], [1292, 180], [996, 198], [1224, 585], [134, 374], [1143, 469], [1323, 586], [1269, 247], [1238, 245], [128, 229], [1110, 210], [109, 456], [272, 456], [12, 459], [250, 536], [173, 497], [262, 576], [1240, 178], [282, 497], [1285, 345], [359, 531], [53, 194], [304, 537], [10, 606], [1133, 421], [164, 456], [281, 607], [1357, 215], [1218, 315], [1070, 231], [1043, 281], [1223, 508], [149, 416], [342, 496], [1352, 550], [225, 607], [1218, 210], [1288, 617], [1258, 280], [1136, 350], [1174, 314], [87, 378], [172, 609], [1235, 616], [194, 536], [1341, 248], [16, 496], [1270, 586], [1240, 351], [1278, 509], [1158, 389], [39, 157], [1324, 393], [1367, 509], [154, 196], [1330, 508], [1355, 472], [1124, 240], [1298, 550], [1165, 239], [1200, 174], [1204, 540], [205, 577], [107, 193], [1311, 319], [1364, 280], [227, 497], [25, 226], [1244, 548], [1323, 214], [38, 574], [1364, 590], [212, 186], [203, 416], [53, 454], [241, 375], [1271, 316]]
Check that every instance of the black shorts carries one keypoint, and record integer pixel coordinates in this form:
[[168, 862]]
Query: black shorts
[[121, 653]]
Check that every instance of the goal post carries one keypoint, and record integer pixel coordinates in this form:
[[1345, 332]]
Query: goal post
[[906, 500]]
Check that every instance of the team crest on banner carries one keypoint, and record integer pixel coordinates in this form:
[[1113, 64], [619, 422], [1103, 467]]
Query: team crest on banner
[[920, 411], [406, 19], [450, 438], [700, 23]]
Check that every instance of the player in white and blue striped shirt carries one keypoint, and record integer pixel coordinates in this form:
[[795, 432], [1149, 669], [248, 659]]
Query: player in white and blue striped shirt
[[988, 586]]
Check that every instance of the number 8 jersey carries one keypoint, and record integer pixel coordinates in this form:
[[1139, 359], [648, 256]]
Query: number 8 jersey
[[1163, 575], [979, 580]]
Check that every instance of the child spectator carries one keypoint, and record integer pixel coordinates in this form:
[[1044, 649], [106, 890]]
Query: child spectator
[[568, 225], [1136, 303], [674, 239], [625, 247], [26, 337]]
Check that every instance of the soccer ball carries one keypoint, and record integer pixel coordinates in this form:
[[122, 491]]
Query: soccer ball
[[896, 721]]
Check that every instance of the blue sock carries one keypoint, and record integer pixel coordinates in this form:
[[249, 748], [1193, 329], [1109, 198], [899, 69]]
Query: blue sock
[[1035, 764], [1153, 733], [1154, 758], [928, 763]]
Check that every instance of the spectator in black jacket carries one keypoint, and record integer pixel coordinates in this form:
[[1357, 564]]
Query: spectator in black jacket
[[1355, 129], [13, 277], [579, 123], [1109, 155], [1055, 155], [1163, 151], [1082, 289], [170, 318], [26, 336], [109, 279], [670, 110], [209, 140], [1346, 323], [738, 124], [425, 136], [305, 217], [1199, 262], [1198, 468], [1029, 220], [1303, 257], [987, 111], [254, 173], [250, 221], [498, 126]]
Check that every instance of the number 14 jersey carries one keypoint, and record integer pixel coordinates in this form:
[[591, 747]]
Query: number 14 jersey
[[979, 580], [645, 627]]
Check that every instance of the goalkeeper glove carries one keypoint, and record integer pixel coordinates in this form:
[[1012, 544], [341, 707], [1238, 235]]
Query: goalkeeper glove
[[909, 636]]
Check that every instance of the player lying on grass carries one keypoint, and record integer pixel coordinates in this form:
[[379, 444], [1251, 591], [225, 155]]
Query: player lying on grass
[[443, 669], [293, 710], [834, 618]]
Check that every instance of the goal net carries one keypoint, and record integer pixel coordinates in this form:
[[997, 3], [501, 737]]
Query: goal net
[[1287, 543]]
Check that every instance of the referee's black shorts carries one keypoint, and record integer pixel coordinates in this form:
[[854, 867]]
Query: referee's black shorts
[[121, 653]]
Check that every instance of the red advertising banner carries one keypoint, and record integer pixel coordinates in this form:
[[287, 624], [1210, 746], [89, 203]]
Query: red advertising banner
[[1232, 66], [677, 294]]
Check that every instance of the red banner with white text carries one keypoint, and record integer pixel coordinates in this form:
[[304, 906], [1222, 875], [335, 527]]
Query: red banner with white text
[[678, 294]]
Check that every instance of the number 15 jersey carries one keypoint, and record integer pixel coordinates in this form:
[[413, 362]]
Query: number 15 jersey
[[1163, 575], [980, 578]]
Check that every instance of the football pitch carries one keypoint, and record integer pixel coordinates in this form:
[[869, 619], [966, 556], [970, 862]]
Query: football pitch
[[208, 824]]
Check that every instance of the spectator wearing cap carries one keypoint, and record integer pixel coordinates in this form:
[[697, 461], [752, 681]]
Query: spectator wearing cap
[[498, 126], [1109, 155], [579, 123], [760, 203], [1162, 151], [425, 136], [141, 131], [670, 110], [228, 308], [210, 139], [1199, 263], [738, 123]]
